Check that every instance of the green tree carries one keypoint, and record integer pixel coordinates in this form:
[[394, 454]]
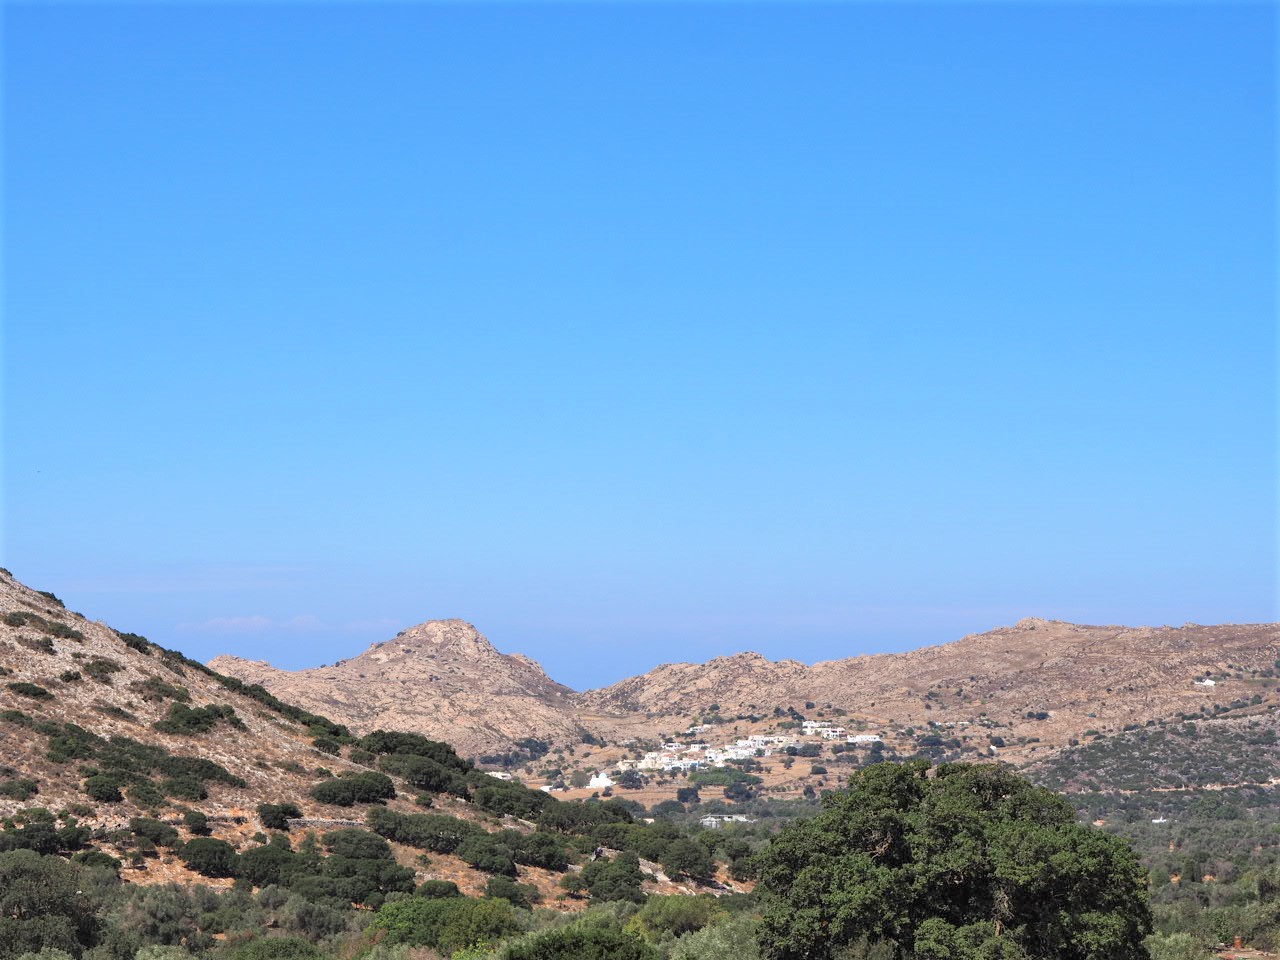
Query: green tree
[[971, 862], [689, 858], [42, 906]]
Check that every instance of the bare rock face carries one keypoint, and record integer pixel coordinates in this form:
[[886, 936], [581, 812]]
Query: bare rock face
[[442, 679]]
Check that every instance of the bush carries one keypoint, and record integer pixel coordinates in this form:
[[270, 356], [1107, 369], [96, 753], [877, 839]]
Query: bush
[[32, 690], [517, 894], [275, 816], [158, 832], [675, 916], [447, 925], [437, 890], [584, 940], [96, 860], [733, 938], [196, 822], [916, 860], [354, 788], [21, 789], [101, 669], [184, 788], [425, 773], [267, 864], [275, 948], [182, 719], [426, 831], [388, 742], [104, 787], [616, 879], [213, 858]]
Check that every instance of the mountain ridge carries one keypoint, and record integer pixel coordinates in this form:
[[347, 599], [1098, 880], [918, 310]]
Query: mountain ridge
[[446, 680]]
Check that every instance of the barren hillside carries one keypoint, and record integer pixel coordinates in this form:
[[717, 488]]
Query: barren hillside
[[441, 679]]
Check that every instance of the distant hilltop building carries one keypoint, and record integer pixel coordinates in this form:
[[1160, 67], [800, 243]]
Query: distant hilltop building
[[1206, 682], [601, 779]]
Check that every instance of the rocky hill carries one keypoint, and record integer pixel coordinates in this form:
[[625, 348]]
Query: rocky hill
[[70, 686], [1057, 679], [1043, 683], [441, 679]]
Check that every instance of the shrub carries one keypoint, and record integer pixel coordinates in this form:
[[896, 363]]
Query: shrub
[[437, 890], [20, 789], [388, 742], [196, 822], [267, 864], [425, 773], [517, 894], [427, 831], [354, 788], [213, 858], [182, 719], [581, 941], [735, 937], [541, 849], [616, 879], [450, 924], [152, 688], [687, 857], [144, 793], [184, 788], [675, 916], [32, 690], [275, 948], [104, 787], [38, 644], [135, 642], [276, 816], [485, 853], [101, 669], [158, 832], [97, 860]]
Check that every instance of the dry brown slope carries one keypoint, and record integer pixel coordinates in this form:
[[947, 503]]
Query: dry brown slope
[[114, 686], [96, 680], [442, 679], [1085, 676]]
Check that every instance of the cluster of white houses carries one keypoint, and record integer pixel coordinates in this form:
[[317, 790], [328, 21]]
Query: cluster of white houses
[[674, 757]]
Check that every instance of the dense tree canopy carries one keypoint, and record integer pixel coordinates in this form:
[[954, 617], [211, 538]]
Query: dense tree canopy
[[42, 907], [970, 861]]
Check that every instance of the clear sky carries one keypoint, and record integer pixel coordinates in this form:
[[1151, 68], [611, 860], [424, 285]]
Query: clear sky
[[639, 333]]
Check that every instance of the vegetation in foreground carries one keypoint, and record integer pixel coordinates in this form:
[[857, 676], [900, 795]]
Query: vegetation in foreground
[[910, 862]]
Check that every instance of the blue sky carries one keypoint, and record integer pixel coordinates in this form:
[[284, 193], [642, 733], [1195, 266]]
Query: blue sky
[[639, 333]]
